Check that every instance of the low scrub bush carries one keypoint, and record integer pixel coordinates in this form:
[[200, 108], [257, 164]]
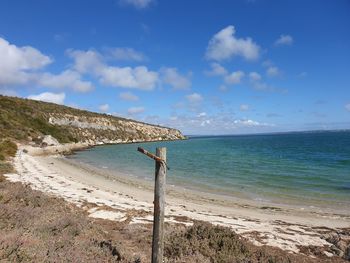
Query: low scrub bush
[[204, 242], [7, 148]]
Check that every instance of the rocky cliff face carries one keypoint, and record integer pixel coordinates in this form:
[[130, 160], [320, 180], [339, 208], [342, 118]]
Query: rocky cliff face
[[32, 121], [106, 129]]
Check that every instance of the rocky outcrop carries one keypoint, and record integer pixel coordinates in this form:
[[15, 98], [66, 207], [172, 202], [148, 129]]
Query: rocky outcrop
[[32, 121], [48, 140], [107, 129]]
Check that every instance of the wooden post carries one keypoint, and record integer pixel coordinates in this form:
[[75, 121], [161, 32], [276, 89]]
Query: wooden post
[[159, 206], [159, 202]]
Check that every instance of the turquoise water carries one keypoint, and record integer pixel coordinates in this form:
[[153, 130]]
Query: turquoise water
[[295, 168]]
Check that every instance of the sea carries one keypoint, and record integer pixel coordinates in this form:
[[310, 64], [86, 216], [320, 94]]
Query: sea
[[301, 168]]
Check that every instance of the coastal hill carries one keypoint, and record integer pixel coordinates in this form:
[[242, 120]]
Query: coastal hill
[[28, 120]]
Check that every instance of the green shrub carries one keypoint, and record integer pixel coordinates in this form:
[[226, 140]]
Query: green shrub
[[5, 168], [7, 148], [204, 242]]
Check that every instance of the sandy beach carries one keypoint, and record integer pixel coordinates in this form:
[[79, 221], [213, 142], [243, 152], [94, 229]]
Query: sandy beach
[[129, 200]]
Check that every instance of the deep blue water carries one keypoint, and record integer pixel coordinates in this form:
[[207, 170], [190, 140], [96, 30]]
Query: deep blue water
[[298, 168]]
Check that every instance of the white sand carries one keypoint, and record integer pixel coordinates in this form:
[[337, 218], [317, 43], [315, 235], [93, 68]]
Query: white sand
[[132, 201]]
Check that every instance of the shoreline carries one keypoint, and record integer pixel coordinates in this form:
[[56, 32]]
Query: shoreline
[[277, 200], [130, 201], [210, 195]]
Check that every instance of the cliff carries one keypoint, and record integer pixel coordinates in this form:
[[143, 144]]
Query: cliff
[[31, 121]]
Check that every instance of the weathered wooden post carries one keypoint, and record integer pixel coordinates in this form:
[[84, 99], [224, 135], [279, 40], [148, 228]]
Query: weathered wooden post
[[159, 203]]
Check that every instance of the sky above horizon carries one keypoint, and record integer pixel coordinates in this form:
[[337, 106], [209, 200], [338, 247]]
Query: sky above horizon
[[204, 67]]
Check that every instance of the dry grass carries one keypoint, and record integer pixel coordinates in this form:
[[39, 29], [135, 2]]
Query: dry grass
[[35, 227], [204, 242], [7, 149]]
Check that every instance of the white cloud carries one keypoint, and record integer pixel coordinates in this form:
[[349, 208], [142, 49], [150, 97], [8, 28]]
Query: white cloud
[[128, 96], [176, 80], [125, 77], [135, 110], [21, 65], [222, 123], [216, 70], [21, 58], [128, 54], [224, 45], [57, 98], [250, 123], [244, 107], [254, 76], [18, 63], [205, 123], [256, 81], [272, 71], [67, 79], [284, 40], [347, 107], [234, 77], [201, 114], [86, 61], [103, 107], [194, 98], [139, 4]]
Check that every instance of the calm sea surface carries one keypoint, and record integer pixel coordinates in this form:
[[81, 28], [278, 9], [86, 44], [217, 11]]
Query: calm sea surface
[[296, 168]]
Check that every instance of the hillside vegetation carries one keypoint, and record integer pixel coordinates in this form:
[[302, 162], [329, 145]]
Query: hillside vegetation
[[29, 120]]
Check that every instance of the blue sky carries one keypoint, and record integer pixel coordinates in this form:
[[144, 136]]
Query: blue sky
[[205, 67]]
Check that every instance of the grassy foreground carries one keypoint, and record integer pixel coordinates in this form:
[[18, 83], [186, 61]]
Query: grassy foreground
[[37, 228]]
